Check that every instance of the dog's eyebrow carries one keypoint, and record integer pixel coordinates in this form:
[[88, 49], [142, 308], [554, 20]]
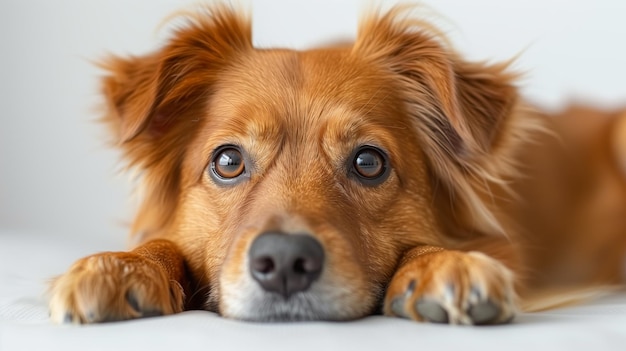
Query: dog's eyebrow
[[347, 129]]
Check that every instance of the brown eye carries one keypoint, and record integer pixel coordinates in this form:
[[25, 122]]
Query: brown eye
[[227, 164], [370, 165]]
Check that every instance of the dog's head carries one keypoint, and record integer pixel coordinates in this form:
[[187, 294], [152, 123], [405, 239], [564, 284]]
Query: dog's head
[[294, 181]]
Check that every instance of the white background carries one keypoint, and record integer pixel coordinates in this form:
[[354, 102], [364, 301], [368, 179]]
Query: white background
[[58, 177]]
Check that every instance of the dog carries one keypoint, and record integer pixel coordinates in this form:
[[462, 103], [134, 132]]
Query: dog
[[389, 175]]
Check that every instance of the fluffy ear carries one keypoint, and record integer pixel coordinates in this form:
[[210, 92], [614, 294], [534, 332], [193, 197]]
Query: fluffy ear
[[146, 94], [130, 91], [460, 105], [486, 97], [153, 103], [460, 109]]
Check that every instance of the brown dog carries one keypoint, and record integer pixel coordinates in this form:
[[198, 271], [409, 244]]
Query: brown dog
[[334, 183]]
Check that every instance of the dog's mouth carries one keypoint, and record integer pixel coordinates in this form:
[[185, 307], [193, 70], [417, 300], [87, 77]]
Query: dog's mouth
[[252, 303], [299, 307], [322, 303]]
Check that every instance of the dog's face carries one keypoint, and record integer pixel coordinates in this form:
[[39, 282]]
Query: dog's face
[[292, 181], [286, 150]]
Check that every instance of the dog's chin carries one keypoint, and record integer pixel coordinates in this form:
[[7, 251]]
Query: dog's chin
[[272, 307], [321, 302]]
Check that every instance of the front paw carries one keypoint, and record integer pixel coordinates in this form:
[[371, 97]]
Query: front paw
[[113, 286], [452, 287]]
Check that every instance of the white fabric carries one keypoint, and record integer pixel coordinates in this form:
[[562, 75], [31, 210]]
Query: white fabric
[[27, 261]]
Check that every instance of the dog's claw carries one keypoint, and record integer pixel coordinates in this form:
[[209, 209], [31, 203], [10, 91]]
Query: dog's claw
[[152, 313], [483, 313], [397, 304], [397, 307], [431, 311], [68, 318], [132, 301], [91, 317]]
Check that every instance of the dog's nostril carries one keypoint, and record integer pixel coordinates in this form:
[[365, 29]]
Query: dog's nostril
[[307, 265], [263, 265], [299, 266]]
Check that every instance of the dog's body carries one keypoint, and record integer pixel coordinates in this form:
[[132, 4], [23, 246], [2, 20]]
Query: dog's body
[[326, 184]]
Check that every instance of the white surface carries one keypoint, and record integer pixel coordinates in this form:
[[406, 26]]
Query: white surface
[[56, 175], [27, 261]]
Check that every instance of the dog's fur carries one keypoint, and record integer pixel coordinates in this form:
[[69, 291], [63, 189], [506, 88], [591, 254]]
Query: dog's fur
[[485, 197]]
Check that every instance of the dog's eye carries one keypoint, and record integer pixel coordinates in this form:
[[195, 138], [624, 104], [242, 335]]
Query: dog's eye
[[370, 165], [227, 164]]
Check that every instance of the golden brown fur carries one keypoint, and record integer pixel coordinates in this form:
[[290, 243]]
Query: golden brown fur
[[485, 197]]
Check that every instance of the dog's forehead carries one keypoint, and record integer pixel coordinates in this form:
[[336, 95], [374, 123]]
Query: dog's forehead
[[306, 86], [304, 90]]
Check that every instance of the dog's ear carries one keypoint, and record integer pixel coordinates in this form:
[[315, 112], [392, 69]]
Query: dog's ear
[[147, 94], [460, 106], [130, 91], [154, 103]]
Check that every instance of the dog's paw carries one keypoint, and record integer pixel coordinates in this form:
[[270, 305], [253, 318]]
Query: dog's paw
[[111, 287], [452, 287]]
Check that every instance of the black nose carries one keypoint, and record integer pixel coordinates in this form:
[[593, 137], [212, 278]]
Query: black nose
[[285, 263]]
